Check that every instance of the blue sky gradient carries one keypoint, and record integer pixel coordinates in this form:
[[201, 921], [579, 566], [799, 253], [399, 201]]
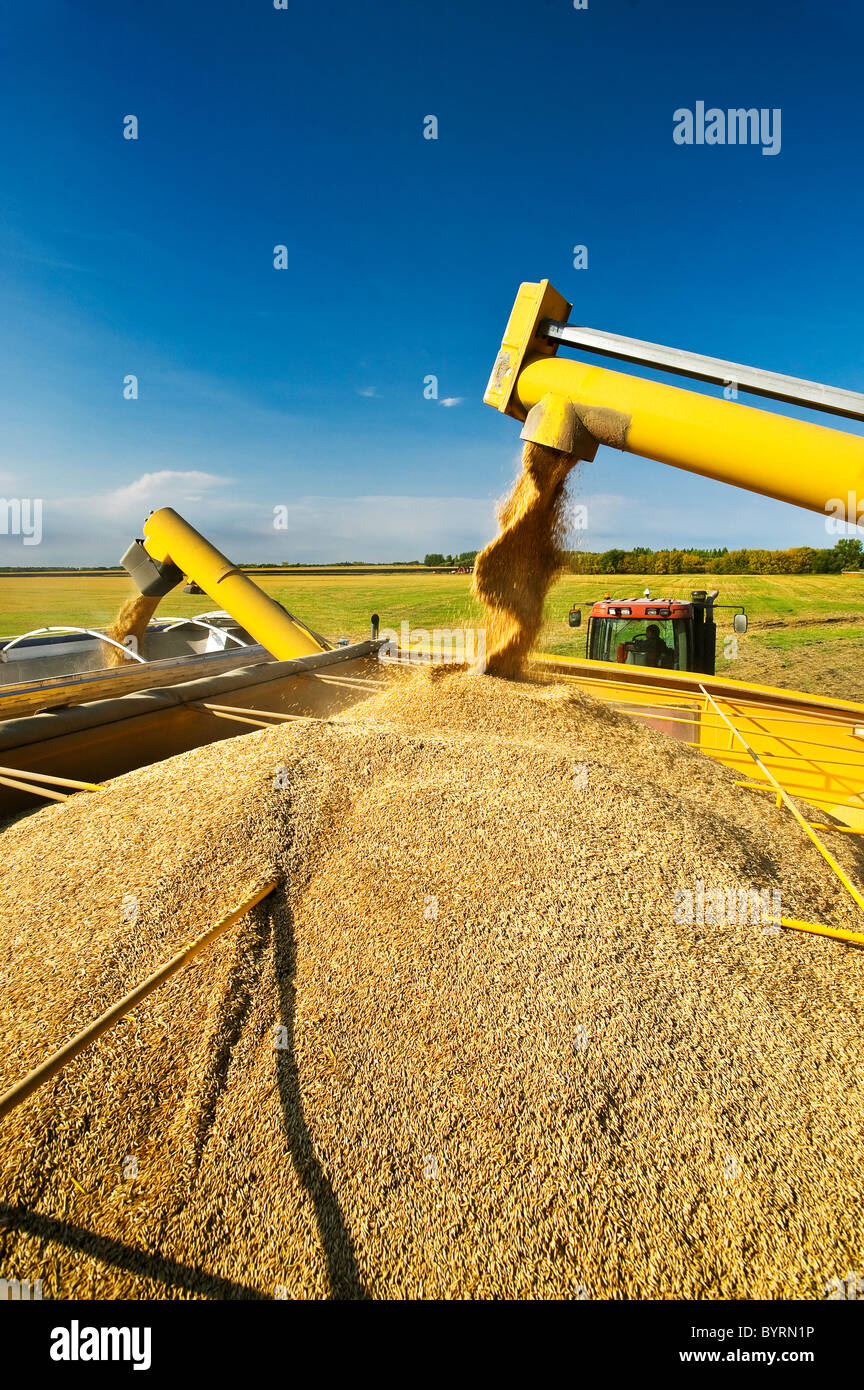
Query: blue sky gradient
[[304, 127]]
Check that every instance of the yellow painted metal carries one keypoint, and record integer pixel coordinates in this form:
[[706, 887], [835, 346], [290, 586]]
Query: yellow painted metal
[[807, 741], [781, 791], [655, 678], [839, 933], [35, 789], [246, 714], [792, 460], [815, 759], [50, 780], [168, 537], [534, 303], [555, 422]]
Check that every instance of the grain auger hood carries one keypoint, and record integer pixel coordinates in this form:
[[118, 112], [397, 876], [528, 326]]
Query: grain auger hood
[[574, 407]]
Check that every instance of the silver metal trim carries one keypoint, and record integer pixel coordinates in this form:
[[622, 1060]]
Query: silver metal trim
[[835, 400]]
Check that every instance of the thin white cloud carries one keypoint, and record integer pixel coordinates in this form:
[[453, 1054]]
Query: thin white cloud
[[452, 400], [160, 489], [369, 392]]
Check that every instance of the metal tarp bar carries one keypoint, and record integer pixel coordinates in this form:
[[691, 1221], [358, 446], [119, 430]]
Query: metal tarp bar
[[834, 400]]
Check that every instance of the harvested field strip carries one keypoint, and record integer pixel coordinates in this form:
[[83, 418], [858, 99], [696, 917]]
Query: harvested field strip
[[473, 1048]]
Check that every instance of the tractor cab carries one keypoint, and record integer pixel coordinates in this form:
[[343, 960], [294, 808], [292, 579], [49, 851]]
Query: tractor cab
[[664, 633]]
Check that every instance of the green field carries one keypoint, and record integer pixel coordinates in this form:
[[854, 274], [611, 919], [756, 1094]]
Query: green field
[[806, 631]]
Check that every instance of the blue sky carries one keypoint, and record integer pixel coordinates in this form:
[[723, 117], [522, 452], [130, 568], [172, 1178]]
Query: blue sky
[[304, 387]]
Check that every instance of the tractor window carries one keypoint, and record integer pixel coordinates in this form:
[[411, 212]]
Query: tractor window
[[626, 640]]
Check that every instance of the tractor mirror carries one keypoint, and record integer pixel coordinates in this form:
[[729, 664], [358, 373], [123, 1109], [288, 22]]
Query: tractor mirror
[[739, 622], [575, 618]]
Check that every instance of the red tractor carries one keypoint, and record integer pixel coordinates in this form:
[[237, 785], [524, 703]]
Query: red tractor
[[666, 633]]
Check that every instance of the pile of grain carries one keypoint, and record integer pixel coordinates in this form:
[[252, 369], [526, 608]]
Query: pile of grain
[[131, 621], [514, 572], [503, 1069]]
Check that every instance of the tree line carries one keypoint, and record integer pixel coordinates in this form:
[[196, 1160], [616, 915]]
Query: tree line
[[435, 561], [847, 554]]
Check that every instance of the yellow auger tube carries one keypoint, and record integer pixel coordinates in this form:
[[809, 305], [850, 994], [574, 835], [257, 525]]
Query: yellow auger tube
[[792, 460], [167, 537]]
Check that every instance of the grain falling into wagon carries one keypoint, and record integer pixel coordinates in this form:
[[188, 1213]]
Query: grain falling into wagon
[[513, 574], [131, 621]]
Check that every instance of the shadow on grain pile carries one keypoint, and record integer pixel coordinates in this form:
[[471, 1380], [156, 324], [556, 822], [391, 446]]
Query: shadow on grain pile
[[467, 1051]]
